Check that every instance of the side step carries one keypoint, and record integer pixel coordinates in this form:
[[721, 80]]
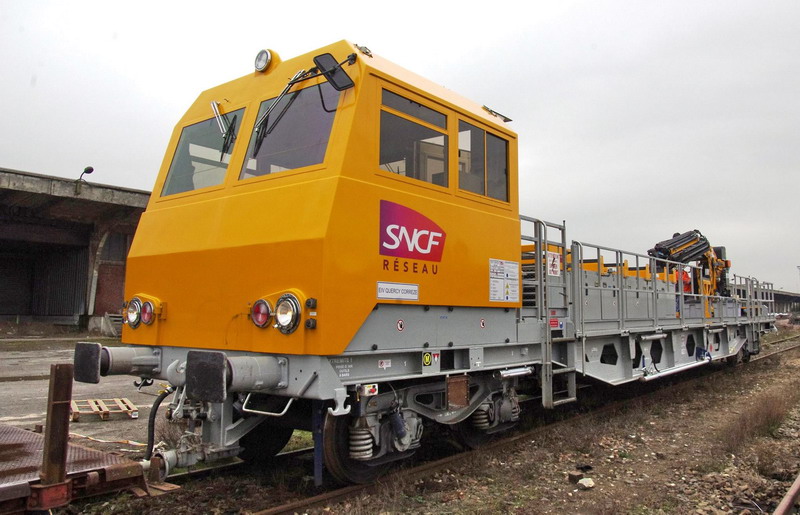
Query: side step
[[571, 386], [549, 398]]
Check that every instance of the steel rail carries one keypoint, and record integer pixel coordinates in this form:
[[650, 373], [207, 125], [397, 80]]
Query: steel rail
[[786, 505]]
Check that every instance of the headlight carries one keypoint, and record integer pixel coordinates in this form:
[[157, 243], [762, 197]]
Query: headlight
[[133, 315], [260, 313], [147, 313], [287, 313]]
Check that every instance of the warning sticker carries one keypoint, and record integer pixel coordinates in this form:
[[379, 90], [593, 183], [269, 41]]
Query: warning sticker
[[553, 263], [503, 281]]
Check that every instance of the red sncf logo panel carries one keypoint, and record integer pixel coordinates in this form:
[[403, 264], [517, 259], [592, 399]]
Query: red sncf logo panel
[[408, 234]]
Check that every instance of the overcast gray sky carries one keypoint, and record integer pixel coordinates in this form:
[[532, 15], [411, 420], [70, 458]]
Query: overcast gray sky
[[636, 119]]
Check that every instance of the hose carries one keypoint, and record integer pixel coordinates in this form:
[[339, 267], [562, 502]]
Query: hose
[[151, 422]]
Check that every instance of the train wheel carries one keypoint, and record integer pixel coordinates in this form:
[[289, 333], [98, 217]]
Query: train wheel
[[745, 355], [336, 450], [264, 442], [469, 436]]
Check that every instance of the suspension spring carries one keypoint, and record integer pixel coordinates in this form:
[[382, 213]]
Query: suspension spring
[[480, 419], [360, 443]]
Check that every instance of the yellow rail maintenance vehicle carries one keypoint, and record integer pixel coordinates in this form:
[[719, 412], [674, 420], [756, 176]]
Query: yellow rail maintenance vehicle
[[335, 244]]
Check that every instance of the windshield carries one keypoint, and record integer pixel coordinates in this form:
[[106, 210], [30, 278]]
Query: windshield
[[295, 134], [203, 154]]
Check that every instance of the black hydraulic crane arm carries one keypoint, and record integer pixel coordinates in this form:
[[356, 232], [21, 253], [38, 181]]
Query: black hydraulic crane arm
[[693, 246], [683, 248]]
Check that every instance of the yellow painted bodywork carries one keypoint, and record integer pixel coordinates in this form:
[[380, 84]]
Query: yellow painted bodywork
[[210, 253]]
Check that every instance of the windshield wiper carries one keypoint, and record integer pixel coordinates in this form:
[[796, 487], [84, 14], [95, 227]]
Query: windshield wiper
[[262, 122], [228, 138], [228, 130], [262, 134], [289, 103]]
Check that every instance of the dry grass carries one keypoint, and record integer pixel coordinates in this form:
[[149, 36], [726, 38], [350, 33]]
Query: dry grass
[[772, 462], [398, 494], [169, 431], [300, 440], [762, 418], [784, 331]]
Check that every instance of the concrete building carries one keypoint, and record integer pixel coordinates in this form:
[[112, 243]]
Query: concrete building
[[63, 245], [787, 302]]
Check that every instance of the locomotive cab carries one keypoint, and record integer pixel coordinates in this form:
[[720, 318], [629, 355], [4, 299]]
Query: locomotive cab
[[276, 188], [324, 222]]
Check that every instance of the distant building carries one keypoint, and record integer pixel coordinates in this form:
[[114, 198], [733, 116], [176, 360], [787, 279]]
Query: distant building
[[63, 246], [787, 302]]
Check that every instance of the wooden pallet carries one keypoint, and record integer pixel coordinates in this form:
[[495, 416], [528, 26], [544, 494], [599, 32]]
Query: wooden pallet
[[100, 407]]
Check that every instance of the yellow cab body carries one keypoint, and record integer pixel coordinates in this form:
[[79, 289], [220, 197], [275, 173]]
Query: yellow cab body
[[368, 195]]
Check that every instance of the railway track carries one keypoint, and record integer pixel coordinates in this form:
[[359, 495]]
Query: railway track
[[413, 473]]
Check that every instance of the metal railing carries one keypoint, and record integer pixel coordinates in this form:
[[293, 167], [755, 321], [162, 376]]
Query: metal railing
[[613, 278], [541, 279]]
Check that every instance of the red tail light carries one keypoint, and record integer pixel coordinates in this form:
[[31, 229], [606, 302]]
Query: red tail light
[[147, 313], [261, 313]]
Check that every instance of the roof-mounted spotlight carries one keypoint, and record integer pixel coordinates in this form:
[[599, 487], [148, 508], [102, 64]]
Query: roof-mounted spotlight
[[263, 58]]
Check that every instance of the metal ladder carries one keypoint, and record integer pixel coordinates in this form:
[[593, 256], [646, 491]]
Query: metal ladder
[[539, 287]]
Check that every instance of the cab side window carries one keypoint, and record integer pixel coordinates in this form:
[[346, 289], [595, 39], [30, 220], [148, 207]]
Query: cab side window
[[413, 140], [482, 162], [497, 167]]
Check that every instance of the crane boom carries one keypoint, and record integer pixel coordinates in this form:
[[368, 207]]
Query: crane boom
[[683, 248], [692, 246]]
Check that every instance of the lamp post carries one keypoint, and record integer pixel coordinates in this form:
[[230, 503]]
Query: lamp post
[[87, 171]]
